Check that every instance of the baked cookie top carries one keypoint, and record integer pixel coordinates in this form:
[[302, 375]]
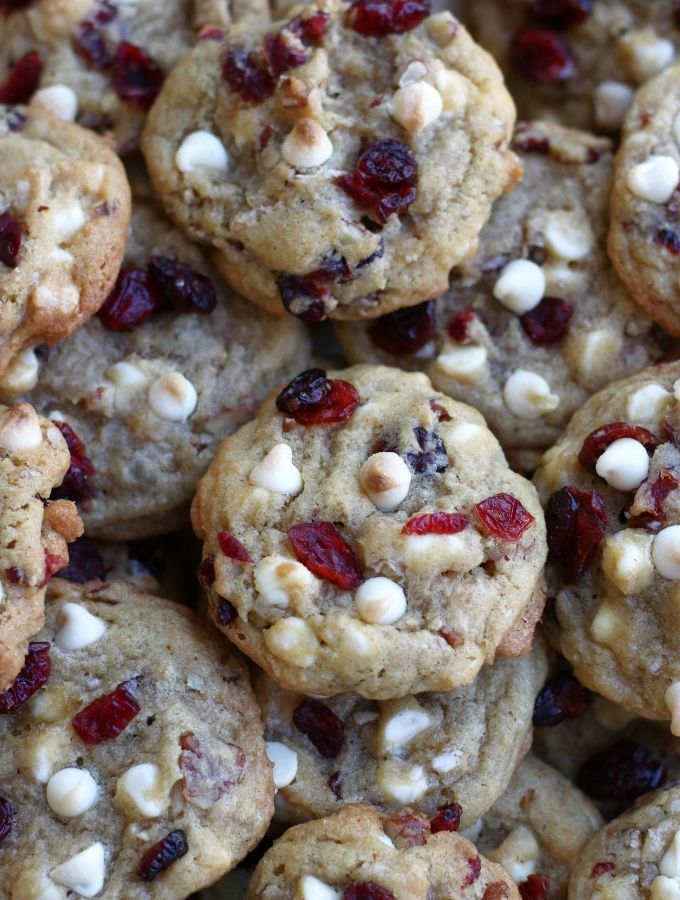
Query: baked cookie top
[[339, 163], [137, 767]]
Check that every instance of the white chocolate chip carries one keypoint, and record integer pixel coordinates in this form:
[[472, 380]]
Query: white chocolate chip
[[447, 761], [68, 220], [646, 54], [386, 479], [655, 179], [647, 404], [307, 145], [606, 625], [78, 627], [400, 722], [172, 397], [277, 472], [670, 861], [528, 396], [416, 105], [84, 872], [384, 839], [380, 601], [666, 552], [400, 783], [354, 640], [62, 299], [518, 853], [201, 150], [284, 762], [462, 363], [195, 683], [627, 560], [293, 641], [71, 792], [128, 380], [568, 235], [672, 698], [521, 286], [59, 99], [612, 101], [454, 89], [139, 791], [19, 428], [36, 760], [624, 464], [663, 888], [281, 582], [428, 553], [414, 71], [21, 374], [311, 888]]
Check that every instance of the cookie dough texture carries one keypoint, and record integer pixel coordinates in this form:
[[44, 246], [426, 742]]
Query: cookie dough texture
[[359, 845], [66, 194], [198, 733], [273, 210], [33, 531], [556, 219]]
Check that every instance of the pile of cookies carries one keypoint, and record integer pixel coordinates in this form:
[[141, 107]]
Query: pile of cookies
[[339, 450]]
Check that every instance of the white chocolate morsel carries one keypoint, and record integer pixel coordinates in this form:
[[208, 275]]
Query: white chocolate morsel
[[71, 792], [22, 373], [59, 99], [446, 761], [607, 624], [173, 397], [277, 472], [78, 628], [663, 888], [454, 89], [521, 286], [462, 363], [528, 395], [672, 698], [627, 560], [401, 783], [670, 861], [612, 100], [307, 145], [416, 105], [624, 464], [19, 428], [201, 150], [655, 179], [311, 888], [139, 791], [428, 553], [518, 853], [62, 299], [568, 235], [414, 71], [293, 641], [84, 872], [400, 722], [380, 601], [386, 480], [68, 220], [384, 839], [666, 552], [284, 582], [647, 404], [284, 762], [128, 380], [645, 53]]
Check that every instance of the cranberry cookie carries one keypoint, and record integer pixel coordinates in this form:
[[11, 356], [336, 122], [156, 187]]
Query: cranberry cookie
[[137, 767], [339, 163], [538, 319]]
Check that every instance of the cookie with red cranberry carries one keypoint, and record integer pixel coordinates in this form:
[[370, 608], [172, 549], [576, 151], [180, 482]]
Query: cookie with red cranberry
[[338, 163], [146, 390], [577, 61], [364, 533], [64, 214], [133, 759], [34, 530], [538, 320], [362, 854]]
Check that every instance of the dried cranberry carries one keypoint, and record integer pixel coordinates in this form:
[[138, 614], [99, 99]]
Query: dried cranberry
[[561, 13], [542, 56], [659, 489], [323, 728], [165, 852], [206, 573], [108, 715], [562, 697], [366, 890], [436, 523], [225, 612], [282, 54], [11, 234], [407, 829], [22, 79], [334, 783], [54, 562], [13, 5], [497, 890], [34, 674], [75, 484], [185, 290], [309, 296], [310, 29], [447, 818], [602, 868], [312, 399], [84, 563], [325, 552], [384, 179], [132, 301], [210, 769], [547, 323], [598, 441], [459, 326], [623, 772], [90, 46], [474, 864], [523, 143], [246, 74], [576, 522], [377, 18], [16, 121], [667, 238], [6, 818], [535, 887], [431, 457], [504, 516], [137, 78], [404, 331], [233, 548]]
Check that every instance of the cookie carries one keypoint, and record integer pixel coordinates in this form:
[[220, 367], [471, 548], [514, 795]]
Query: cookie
[[137, 769], [173, 363], [34, 531], [340, 163], [429, 750], [64, 213], [365, 534], [102, 62], [359, 853], [579, 62], [538, 320]]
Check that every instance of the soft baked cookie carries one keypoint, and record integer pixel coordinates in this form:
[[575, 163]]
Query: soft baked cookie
[[102, 62], [34, 531], [427, 750], [64, 213], [578, 62], [538, 319], [365, 533], [137, 768], [339, 163], [358, 854], [172, 364]]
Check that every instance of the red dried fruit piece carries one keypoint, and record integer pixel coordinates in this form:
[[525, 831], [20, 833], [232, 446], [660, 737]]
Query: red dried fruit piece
[[246, 74], [436, 523], [562, 697], [89, 44], [542, 56], [576, 522], [601, 868], [404, 331], [384, 179], [282, 53], [623, 772], [452, 637], [658, 491], [107, 716], [74, 486], [312, 399], [377, 18], [325, 552], [225, 611], [598, 441], [334, 783], [11, 234], [561, 13], [504, 516], [459, 326], [162, 854], [530, 144], [206, 573], [310, 29], [309, 296], [407, 829], [535, 887], [185, 290], [497, 890], [22, 79], [667, 238], [367, 890], [53, 563], [34, 674], [6, 817], [441, 411], [209, 769], [447, 818], [132, 301], [233, 548], [84, 563], [323, 728], [474, 864], [547, 323], [137, 78], [432, 457]]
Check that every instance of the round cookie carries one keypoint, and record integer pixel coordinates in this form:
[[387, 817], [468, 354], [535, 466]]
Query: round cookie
[[365, 533], [340, 163], [64, 214], [151, 402], [431, 750], [141, 735], [537, 320], [359, 853]]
